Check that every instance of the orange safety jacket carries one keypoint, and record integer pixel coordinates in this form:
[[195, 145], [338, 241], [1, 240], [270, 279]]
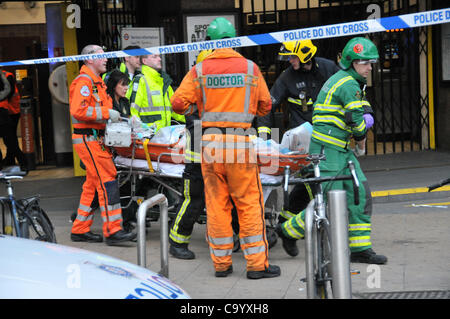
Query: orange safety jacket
[[228, 90], [89, 102], [12, 104]]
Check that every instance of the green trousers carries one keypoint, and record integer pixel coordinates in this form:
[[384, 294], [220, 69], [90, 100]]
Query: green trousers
[[359, 215]]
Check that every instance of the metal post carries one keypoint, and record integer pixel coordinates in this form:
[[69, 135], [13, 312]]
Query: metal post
[[309, 248], [340, 254], [160, 200]]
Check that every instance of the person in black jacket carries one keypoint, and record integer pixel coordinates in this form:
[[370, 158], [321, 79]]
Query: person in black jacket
[[117, 87], [298, 85]]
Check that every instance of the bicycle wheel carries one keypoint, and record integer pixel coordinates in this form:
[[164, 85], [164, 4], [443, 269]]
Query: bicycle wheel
[[37, 226], [323, 278]]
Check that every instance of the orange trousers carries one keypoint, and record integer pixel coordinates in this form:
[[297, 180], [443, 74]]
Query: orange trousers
[[101, 177], [234, 173]]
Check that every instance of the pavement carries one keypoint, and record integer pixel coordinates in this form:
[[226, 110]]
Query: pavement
[[409, 225]]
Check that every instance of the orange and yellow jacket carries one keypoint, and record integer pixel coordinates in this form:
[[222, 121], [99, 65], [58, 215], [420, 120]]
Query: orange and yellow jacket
[[228, 90], [89, 102]]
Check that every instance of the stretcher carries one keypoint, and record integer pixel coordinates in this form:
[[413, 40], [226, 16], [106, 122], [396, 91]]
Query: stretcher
[[161, 165]]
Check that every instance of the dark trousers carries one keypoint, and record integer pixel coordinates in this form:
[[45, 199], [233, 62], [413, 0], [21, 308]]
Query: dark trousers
[[8, 131]]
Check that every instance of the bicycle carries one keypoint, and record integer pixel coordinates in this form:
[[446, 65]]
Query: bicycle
[[23, 217], [326, 239]]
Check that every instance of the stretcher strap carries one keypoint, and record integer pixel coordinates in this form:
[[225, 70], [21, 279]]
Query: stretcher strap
[[147, 156]]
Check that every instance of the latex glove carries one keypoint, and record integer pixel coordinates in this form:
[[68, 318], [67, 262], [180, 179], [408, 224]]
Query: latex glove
[[368, 118], [114, 116], [359, 151]]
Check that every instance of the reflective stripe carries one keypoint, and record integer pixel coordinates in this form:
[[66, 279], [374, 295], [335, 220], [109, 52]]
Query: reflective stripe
[[292, 230], [353, 105], [187, 199], [227, 145], [89, 138], [85, 208], [330, 119], [152, 109], [192, 156], [250, 239], [334, 88], [235, 117], [111, 207], [83, 218], [220, 252], [199, 70], [329, 108], [359, 241], [75, 121], [220, 240], [264, 129], [329, 139], [248, 87], [254, 250], [112, 218], [98, 112], [361, 127], [359, 227], [180, 239], [286, 214]]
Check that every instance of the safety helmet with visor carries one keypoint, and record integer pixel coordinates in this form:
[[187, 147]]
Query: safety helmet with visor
[[359, 50]]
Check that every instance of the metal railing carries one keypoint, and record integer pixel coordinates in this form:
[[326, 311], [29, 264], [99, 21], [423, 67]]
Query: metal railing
[[160, 200]]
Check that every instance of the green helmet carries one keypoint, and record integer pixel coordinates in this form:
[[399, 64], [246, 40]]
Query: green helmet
[[220, 28], [358, 48]]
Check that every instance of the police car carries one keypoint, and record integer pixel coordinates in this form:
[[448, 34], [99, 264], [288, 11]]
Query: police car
[[34, 269]]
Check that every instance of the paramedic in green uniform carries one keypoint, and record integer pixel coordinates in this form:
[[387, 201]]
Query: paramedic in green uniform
[[341, 112]]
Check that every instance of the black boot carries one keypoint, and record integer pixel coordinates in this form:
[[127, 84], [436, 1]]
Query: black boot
[[289, 244], [119, 237], [368, 256], [224, 273], [181, 251], [86, 237], [270, 272]]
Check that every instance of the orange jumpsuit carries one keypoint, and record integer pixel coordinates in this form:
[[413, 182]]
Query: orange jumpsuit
[[89, 105], [229, 92]]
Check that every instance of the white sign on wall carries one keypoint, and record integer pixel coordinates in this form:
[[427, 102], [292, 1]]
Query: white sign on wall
[[196, 26], [143, 37]]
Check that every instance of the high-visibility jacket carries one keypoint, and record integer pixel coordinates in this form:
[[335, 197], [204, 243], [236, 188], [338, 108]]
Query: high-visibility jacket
[[229, 92], [12, 101], [238, 98], [89, 102], [338, 111], [89, 107], [151, 102]]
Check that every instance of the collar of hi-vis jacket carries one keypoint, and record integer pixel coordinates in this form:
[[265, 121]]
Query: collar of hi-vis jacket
[[230, 80]]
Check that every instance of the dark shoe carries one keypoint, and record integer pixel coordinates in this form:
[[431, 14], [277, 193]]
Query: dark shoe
[[181, 252], [270, 272], [368, 256], [224, 273], [119, 237], [289, 244], [87, 237]]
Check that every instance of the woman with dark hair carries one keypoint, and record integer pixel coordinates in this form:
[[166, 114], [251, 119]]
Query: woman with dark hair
[[117, 87]]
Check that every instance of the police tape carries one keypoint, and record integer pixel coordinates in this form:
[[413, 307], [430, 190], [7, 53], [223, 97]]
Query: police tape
[[411, 20]]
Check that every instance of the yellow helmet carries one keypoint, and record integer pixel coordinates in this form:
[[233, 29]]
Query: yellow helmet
[[202, 55], [304, 50]]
